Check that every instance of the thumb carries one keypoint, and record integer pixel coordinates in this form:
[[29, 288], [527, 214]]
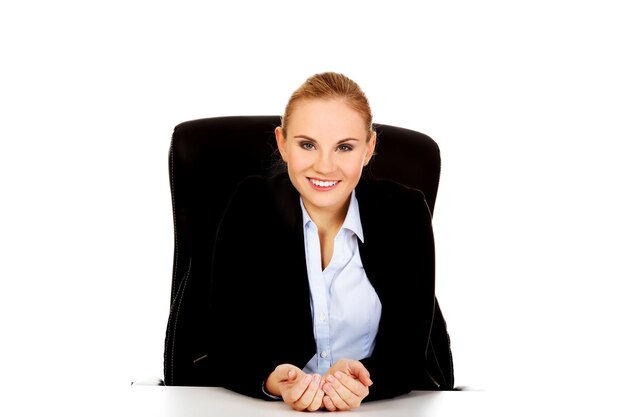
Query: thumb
[[291, 375], [359, 371], [287, 372]]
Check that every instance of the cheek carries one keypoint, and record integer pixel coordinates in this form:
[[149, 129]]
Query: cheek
[[354, 169], [297, 161]]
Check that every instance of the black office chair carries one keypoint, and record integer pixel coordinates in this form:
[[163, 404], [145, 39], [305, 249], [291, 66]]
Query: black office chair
[[208, 157]]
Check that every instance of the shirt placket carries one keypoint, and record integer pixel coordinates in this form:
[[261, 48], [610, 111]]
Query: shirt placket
[[320, 300]]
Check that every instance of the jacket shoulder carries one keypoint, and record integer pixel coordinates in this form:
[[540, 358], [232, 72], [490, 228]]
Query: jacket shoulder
[[263, 190], [390, 196], [266, 200]]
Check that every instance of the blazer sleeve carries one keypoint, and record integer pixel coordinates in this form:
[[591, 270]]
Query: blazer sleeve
[[260, 311], [238, 362]]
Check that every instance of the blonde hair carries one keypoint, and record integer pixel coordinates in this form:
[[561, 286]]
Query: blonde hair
[[330, 85]]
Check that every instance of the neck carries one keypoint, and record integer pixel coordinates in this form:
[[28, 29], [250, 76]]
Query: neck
[[329, 221]]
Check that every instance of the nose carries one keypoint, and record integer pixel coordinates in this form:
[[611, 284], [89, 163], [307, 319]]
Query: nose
[[324, 163]]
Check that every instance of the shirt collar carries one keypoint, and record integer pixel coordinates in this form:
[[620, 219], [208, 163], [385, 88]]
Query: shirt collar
[[352, 221]]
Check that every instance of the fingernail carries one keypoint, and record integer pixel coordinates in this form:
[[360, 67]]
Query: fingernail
[[338, 375]]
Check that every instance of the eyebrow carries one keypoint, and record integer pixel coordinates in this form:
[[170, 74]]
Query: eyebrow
[[313, 140]]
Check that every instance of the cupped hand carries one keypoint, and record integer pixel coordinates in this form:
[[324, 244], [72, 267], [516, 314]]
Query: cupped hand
[[345, 385], [300, 390]]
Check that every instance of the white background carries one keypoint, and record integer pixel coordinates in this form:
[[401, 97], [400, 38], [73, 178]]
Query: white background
[[526, 100]]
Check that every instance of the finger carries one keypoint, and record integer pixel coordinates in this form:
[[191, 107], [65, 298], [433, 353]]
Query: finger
[[310, 391], [293, 393], [328, 403], [291, 375], [353, 385], [317, 403], [286, 372], [333, 394], [358, 370], [350, 390]]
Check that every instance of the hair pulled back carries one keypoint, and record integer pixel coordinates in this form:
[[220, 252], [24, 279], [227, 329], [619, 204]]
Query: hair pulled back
[[327, 86]]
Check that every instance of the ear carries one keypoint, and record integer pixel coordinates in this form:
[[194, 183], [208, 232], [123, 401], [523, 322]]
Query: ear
[[371, 147], [280, 142]]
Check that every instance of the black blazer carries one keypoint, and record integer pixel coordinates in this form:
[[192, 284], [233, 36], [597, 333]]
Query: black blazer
[[261, 302]]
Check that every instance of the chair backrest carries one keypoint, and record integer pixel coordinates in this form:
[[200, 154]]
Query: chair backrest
[[208, 157]]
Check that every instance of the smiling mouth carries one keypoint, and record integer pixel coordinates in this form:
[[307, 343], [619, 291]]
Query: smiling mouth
[[323, 184]]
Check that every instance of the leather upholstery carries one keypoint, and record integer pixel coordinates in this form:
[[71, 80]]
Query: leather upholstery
[[207, 158]]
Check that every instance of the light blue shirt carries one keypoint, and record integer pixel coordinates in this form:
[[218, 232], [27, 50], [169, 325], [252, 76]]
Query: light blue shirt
[[344, 305]]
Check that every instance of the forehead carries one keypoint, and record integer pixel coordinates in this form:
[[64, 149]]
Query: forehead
[[326, 117]]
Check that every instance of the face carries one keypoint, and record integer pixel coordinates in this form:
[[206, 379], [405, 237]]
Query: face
[[325, 151]]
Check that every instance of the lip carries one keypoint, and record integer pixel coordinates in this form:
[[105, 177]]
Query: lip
[[321, 184]]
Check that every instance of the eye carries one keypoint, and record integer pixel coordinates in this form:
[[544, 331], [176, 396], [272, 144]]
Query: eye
[[307, 146], [344, 148]]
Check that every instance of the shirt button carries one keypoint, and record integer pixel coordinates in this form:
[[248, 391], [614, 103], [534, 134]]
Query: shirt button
[[324, 354], [323, 317]]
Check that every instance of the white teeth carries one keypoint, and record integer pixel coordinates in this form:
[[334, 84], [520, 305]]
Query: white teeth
[[323, 183]]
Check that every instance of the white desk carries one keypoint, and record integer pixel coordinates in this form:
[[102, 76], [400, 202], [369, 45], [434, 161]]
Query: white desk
[[159, 401]]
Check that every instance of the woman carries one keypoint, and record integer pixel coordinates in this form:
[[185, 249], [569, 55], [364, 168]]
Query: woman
[[323, 280]]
